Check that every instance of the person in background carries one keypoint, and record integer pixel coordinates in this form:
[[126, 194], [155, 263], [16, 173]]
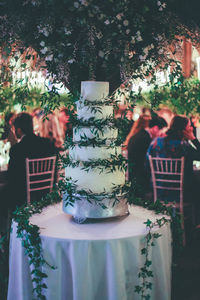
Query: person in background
[[193, 126], [30, 146], [166, 114], [175, 145], [195, 122], [145, 111], [8, 133], [137, 149], [141, 123], [64, 120], [129, 116], [49, 127], [36, 114]]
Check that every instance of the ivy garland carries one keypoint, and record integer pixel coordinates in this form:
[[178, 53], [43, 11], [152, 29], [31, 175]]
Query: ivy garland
[[97, 126], [94, 142], [73, 193], [110, 165], [145, 273], [31, 241], [30, 236], [105, 101], [96, 123]]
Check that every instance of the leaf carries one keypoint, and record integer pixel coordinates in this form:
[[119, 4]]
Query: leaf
[[143, 251], [148, 223], [138, 289], [148, 263], [149, 273], [149, 285], [157, 235]]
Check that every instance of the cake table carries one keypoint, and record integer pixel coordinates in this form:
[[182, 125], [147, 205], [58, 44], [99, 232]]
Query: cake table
[[95, 261]]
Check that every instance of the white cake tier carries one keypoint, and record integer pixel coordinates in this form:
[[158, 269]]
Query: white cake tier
[[93, 181], [87, 153], [92, 132], [94, 90], [102, 112]]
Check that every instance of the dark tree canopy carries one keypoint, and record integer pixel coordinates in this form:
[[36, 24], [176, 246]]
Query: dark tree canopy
[[98, 40]]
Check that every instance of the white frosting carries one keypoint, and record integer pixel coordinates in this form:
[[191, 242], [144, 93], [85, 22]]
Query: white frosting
[[95, 181], [103, 112], [92, 132], [94, 90], [87, 153]]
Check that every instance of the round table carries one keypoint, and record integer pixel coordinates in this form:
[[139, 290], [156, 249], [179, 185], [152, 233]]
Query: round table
[[94, 261]]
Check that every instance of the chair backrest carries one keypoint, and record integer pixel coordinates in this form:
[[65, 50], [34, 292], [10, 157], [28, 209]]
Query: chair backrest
[[167, 174], [39, 174]]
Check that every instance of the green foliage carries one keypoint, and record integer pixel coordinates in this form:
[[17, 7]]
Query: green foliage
[[72, 193], [116, 162], [96, 40], [30, 236], [145, 274], [99, 124], [51, 100], [159, 207], [182, 97], [28, 98], [88, 39]]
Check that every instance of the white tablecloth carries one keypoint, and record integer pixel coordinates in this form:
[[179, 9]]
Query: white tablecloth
[[98, 261]]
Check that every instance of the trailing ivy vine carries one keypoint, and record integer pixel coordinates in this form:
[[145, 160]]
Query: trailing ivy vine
[[72, 193], [110, 165], [169, 216], [145, 273], [30, 236], [31, 241]]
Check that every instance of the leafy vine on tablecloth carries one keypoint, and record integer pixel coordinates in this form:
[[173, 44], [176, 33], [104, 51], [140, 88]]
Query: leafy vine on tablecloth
[[30, 236]]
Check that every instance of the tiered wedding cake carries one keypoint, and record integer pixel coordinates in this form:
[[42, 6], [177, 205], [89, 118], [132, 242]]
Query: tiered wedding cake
[[98, 182]]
